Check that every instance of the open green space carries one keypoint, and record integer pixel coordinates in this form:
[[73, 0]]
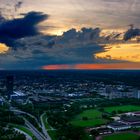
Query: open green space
[[122, 136], [125, 108], [52, 134], [94, 118]]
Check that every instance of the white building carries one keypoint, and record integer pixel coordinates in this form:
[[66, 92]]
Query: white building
[[118, 126], [17, 96]]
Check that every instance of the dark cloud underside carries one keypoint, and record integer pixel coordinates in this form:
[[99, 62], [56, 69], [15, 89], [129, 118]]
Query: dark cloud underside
[[10, 30]]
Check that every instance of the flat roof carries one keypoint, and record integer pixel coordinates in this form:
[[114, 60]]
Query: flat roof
[[117, 124], [137, 113], [131, 119], [18, 93]]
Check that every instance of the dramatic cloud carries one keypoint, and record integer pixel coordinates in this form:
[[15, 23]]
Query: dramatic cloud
[[73, 47], [11, 30], [41, 50], [1, 18], [131, 33]]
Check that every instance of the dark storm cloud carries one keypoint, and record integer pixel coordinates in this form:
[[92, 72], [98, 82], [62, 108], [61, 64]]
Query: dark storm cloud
[[72, 47], [1, 18], [131, 33], [10, 30]]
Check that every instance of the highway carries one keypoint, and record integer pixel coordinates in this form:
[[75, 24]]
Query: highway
[[22, 112], [44, 128], [36, 133]]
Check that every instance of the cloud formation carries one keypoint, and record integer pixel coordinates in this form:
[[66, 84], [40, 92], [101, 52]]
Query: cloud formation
[[73, 47], [11, 30], [131, 33], [18, 5], [40, 50]]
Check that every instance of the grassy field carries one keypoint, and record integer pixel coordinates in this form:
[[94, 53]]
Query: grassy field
[[122, 136], [126, 108], [52, 134], [94, 119]]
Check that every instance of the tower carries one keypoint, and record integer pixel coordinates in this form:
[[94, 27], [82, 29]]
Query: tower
[[9, 85]]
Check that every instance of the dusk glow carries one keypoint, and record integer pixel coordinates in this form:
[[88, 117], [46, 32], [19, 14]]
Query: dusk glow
[[119, 66], [81, 34]]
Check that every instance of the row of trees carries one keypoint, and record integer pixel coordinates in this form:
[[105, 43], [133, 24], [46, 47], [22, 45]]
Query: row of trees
[[9, 134], [7, 117]]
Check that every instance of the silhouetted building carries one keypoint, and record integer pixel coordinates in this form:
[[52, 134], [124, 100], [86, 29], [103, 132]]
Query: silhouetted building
[[9, 85]]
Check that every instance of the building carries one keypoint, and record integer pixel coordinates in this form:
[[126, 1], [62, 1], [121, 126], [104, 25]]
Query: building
[[108, 91], [9, 85], [118, 126], [136, 114], [18, 96], [137, 94], [133, 121]]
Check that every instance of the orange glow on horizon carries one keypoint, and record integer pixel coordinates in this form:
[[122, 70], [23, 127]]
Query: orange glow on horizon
[[93, 66]]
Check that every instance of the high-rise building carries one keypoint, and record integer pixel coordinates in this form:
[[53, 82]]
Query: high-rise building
[[9, 85], [137, 94]]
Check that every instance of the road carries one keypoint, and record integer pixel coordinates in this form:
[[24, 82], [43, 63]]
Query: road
[[22, 112], [37, 134], [44, 128]]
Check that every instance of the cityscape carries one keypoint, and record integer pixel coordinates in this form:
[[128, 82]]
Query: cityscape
[[88, 106], [69, 69]]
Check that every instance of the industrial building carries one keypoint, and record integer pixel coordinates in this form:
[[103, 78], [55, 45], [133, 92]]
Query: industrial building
[[118, 126], [18, 96]]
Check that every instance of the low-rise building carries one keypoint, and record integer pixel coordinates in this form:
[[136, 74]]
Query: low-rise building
[[118, 126], [16, 96], [133, 121]]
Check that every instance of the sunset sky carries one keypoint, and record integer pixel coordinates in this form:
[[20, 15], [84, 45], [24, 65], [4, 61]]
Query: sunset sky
[[49, 34]]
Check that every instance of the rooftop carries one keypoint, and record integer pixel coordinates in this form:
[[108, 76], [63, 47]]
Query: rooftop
[[18, 93], [117, 124], [131, 119]]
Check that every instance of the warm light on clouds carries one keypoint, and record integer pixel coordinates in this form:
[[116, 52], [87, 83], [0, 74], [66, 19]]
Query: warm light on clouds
[[105, 22], [123, 52], [3, 48]]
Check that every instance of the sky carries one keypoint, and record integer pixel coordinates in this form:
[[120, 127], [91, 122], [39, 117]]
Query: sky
[[69, 34]]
